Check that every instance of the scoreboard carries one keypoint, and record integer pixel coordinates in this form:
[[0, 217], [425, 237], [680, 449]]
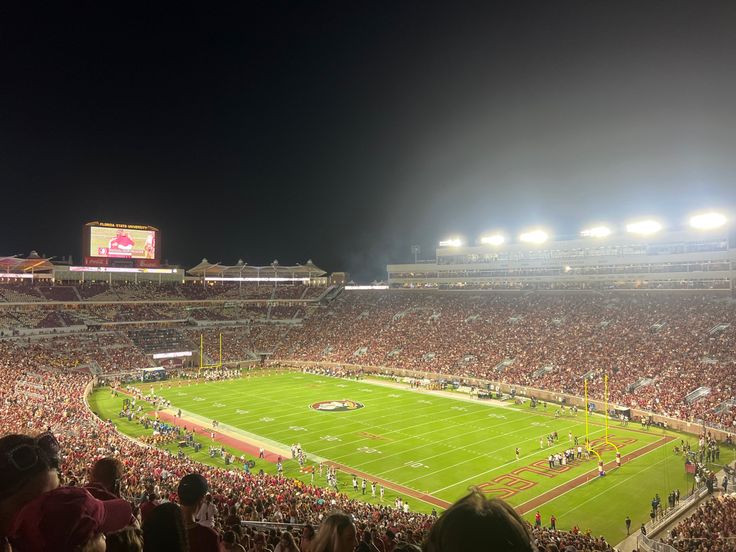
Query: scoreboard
[[121, 245]]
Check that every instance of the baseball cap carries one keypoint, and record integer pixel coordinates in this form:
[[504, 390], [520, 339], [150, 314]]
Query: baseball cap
[[192, 488], [66, 518]]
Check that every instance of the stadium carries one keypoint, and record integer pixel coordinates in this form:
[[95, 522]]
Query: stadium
[[586, 380]]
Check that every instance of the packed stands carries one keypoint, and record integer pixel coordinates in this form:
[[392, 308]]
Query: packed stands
[[671, 355], [11, 292], [712, 528], [656, 349], [39, 392]]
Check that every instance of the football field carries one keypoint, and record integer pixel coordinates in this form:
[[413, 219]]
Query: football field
[[431, 448]]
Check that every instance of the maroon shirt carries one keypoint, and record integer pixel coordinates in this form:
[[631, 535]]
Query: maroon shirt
[[203, 539]]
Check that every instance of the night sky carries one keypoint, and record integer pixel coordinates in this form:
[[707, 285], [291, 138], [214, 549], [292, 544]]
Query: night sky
[[347, 132]]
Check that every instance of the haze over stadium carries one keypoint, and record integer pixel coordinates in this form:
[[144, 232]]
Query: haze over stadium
[[267, 261], [393, 125]]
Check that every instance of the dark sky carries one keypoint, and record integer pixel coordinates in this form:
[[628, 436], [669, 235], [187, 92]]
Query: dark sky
[[346, 132]]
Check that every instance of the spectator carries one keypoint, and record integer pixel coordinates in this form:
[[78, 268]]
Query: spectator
[[207, 512], [474, 523], [129, 539], [336, 534], [192, 491], [307, 538], [164, 530], [28, 467], [105, 477], [366, 543], [147, 506], [230, 544], [68, 519], [286, 543]]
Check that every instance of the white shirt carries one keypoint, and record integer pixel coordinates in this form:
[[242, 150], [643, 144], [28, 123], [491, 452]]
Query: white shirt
[[206, 514]]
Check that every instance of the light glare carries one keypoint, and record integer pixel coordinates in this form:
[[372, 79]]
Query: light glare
[[451, 242], [596, 232], [644, 227], [534, 236], [495, 239], [707, 221]]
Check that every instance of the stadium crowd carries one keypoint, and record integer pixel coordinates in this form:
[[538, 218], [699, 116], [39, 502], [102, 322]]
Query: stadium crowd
[[657, 350], [712, 528], [36, 400]]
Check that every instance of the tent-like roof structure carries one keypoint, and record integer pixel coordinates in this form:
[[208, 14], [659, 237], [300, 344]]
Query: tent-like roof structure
[[244, 270], [32, 263]]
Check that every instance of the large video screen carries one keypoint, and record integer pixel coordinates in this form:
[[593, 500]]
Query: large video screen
[[122, 243]]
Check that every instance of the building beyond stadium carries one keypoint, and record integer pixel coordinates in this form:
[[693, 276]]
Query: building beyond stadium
[[676, 260]]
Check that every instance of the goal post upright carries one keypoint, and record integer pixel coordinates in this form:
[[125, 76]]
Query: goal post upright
[[218, 363], [605, 381], [587, 433], [201, 351]]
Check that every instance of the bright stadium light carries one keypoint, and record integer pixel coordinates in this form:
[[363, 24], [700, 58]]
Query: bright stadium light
[[452, 242], [493, 239], [708, 221], [644, 227], [596, 232], [534, 236]]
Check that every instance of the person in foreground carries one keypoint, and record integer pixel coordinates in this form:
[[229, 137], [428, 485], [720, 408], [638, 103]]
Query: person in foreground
[[29, 466], [478, 523], [68, 519], [336, 534], [192, 491]]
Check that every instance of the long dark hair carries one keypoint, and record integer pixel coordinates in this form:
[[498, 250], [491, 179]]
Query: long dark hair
[[477, 523], [164, 530]]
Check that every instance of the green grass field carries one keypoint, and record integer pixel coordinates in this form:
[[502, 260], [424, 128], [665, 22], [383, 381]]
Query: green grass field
[[434, 444]]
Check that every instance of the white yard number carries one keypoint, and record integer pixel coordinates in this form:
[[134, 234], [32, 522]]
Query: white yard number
[[218, 405], [266, 419], [369, 450], [330, 438], [416, 465], [198, 399], [498, 416], [422, 401], [238, 411], [297, 428], [459, 408], [394, 396]]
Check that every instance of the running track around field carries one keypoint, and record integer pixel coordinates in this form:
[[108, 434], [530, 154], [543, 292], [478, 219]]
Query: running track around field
[[249, 448], [224, 438]]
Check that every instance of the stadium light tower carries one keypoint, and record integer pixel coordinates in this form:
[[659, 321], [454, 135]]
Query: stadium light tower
[[644, 227], [708, 221], [492, 239], [596, 232], [534, 236], [452, 242]]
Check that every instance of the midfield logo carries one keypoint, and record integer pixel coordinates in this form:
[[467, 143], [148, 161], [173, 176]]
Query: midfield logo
[[336, 406]]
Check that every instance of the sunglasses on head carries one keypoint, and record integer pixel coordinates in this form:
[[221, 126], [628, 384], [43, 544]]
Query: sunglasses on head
[[45, 448]]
